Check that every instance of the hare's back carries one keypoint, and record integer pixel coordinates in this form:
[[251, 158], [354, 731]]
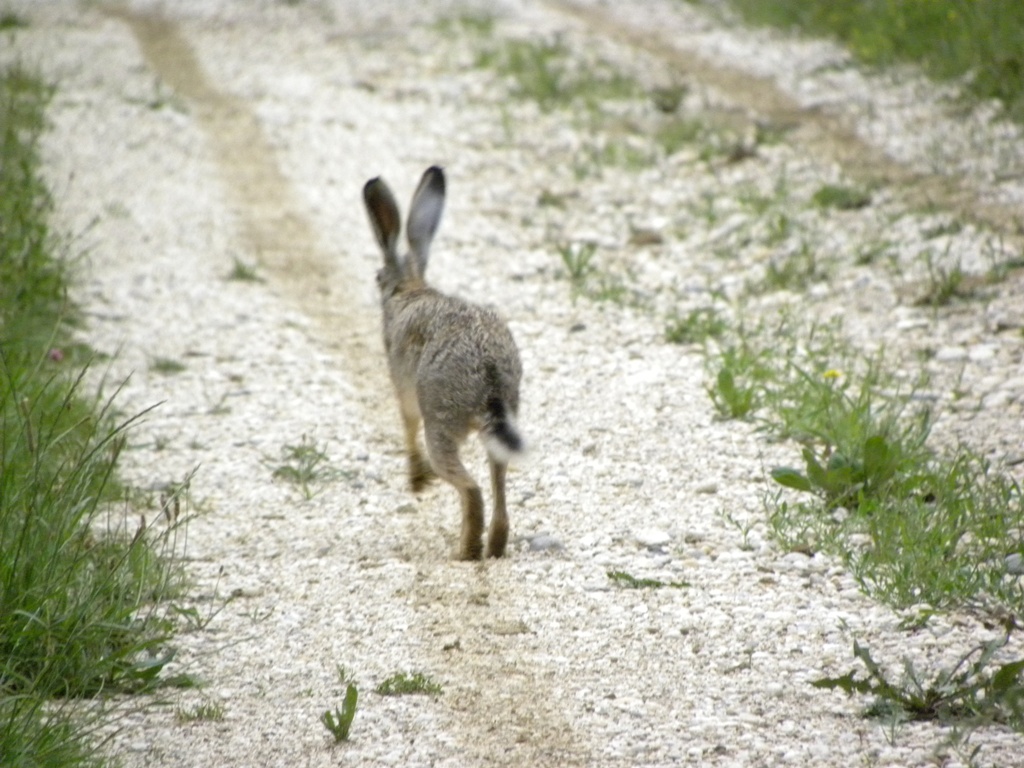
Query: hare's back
[[470, 356]]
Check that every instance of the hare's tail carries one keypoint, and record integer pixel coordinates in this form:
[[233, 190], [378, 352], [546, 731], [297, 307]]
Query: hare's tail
[[500, 434]]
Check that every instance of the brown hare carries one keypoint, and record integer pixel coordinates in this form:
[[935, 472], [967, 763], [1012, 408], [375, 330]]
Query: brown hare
[[454, 365]]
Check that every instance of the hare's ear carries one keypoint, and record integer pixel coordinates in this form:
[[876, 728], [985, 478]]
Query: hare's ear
[[384, 218], [424, 216]]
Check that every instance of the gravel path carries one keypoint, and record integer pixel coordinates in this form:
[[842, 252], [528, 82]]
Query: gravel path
[[194, 136]]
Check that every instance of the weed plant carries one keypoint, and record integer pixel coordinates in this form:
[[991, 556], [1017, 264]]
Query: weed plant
[[306, 465], [339, 722], [969, 691], [578, 260], [740, 371]]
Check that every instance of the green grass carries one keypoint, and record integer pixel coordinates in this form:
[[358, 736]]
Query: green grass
[[474, 23], [166, 366], [244, 272], [403, 684], [339, 722], [306, 465], [944, 283], [913, 524], [78, 581], [10, 21], [34, 732], [209, 711], [678, 132], [628, 581], [977, 40], [545, 72], [578, 260], [841, 197], [969, 691], [794, 270], [695, 327]]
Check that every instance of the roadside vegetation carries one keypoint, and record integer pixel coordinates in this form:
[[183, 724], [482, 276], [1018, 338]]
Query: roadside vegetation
[[976, 42], [913, 523], [80, 575]]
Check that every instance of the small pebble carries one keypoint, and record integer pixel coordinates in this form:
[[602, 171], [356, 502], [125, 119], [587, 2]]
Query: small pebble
[[652, 538]]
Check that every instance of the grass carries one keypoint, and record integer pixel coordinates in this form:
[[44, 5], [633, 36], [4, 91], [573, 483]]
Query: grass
[[208, 711], [306, 465], [740, 371], [628, 581], [404, 684], [545, 72], [578, 260], [339, 722], [944, 284], [970, 690], [79, 584], [913, 525], [975, 42], [243, 272], [10, 21], [480, 24], [695, 327], [794, 270], [166, 366], [841, 198], [678, 132]]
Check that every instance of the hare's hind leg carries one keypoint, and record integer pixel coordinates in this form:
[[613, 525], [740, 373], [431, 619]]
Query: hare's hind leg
[[420, 473], [498, 535], [444, 456]]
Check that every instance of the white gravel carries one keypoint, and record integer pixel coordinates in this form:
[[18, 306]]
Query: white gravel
[[235, 130]]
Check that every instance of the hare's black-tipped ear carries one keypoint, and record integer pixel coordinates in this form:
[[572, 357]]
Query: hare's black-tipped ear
[[425, 216], [384, 218]]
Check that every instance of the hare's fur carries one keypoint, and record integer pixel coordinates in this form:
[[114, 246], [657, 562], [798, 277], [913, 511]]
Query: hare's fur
[[454, 365]]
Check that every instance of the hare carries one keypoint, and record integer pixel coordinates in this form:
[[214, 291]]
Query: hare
[[454, 365]]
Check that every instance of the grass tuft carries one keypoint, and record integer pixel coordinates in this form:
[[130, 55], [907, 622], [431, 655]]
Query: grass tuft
[[403, 684], [841, 198], [628, 581], [306, 465], [209, 711], [339, 722], [971, 690], [695, 327]]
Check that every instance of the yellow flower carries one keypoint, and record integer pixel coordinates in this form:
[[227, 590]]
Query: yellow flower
[[832, 373]]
